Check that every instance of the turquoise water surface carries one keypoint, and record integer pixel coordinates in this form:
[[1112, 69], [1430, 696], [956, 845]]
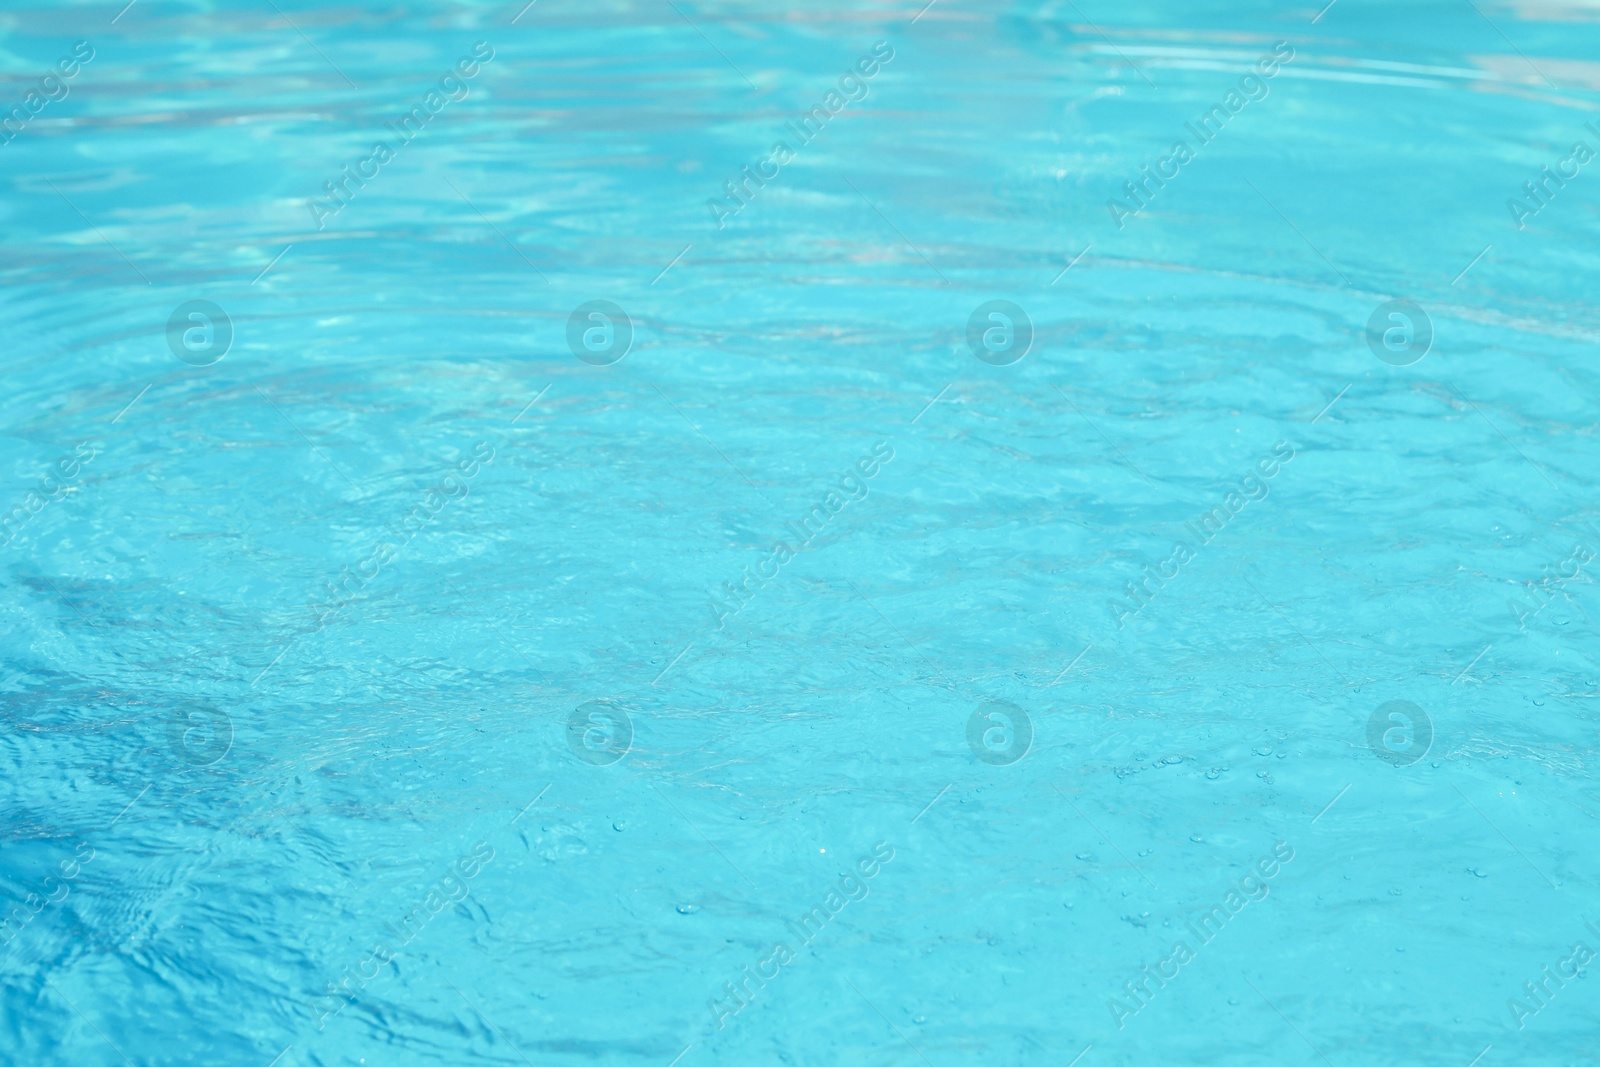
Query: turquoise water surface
[[663, 533]]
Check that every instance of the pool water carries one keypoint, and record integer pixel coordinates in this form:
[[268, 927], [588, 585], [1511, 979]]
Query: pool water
[[679, 534]]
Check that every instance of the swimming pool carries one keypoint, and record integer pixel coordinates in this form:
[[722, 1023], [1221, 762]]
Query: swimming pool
[[651, 533]]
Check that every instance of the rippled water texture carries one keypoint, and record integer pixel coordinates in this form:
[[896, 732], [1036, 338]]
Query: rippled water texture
[[711, 532]]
